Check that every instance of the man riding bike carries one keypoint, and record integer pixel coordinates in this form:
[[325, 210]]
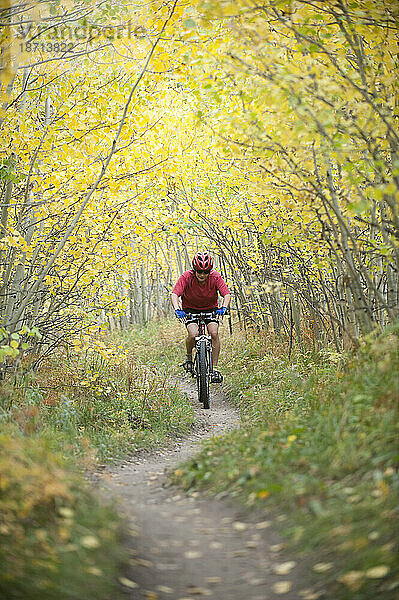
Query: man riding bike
[[197, 291]]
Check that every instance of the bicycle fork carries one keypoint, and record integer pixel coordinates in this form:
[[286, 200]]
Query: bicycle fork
[[208, 344]]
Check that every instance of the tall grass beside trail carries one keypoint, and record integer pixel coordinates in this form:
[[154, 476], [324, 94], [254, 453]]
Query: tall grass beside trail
[[160, 344], [318, 447], [101, 401], [85, 405], [57, 540]]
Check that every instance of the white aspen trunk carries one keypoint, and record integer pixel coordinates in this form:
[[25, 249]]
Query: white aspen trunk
[[131, 293], [15, 285], [186, 258], [362, 310], [333, 315], [143, 295], [296, 315], [179, 259], [46, 268], [277, 311], [47, 111], [392, 277], [158, 292], [3, 266]]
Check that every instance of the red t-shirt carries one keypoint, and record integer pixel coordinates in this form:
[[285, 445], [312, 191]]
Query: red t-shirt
[[200, 297]]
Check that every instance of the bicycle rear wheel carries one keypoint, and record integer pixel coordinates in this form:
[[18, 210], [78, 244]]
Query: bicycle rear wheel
[[202, 375]]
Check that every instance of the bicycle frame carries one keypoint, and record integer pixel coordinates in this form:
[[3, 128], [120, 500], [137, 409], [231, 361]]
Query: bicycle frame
[[203, 335], [203, 359]]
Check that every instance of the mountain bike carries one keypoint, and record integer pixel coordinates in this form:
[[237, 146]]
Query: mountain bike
[[203, 367]]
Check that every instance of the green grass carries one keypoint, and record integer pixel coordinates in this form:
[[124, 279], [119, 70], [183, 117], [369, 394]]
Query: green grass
[[57, 539], [317, 448], [319, 445], [83, 407], [102, 402]]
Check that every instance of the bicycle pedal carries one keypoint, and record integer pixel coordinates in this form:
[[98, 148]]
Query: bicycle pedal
[[216, 377], [188, 366]]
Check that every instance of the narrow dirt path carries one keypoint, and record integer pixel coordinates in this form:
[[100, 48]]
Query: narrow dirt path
[[187, 546]]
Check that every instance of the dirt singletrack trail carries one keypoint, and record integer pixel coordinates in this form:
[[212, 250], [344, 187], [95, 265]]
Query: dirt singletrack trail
[[187, 546]]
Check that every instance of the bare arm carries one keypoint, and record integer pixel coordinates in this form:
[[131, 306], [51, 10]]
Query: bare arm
[[175, 300], [226, 300]]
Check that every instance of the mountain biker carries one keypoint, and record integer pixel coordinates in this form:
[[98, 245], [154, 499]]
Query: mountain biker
[[197, 291]]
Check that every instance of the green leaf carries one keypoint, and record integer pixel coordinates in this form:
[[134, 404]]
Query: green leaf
[[189, 23], [35, 332], [25, 329], [8, 351]]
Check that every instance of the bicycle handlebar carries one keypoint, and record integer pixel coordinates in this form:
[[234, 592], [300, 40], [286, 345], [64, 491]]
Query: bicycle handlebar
[[210, 314]]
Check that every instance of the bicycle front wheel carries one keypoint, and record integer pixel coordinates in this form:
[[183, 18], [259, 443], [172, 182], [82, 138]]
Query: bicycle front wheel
[[202, 374]]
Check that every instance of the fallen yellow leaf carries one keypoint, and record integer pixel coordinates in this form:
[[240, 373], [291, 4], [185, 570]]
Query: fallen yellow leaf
[[322, 567], [263, 524], [94, 571], [66, 512], [164, 589], [277, 547], [310, 594], [128, 582], [263, 494], [239, 526], [191, 554], [151, 595], [284, 568], [89, 541], [198, 591], [352, 579], [282, 587], [213, 579], [377, 572]]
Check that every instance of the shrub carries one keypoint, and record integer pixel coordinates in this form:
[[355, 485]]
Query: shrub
[[57, 539], [318, 442]]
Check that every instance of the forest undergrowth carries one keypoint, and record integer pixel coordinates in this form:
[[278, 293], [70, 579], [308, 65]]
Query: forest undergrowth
[[85, 407], [318, 447]]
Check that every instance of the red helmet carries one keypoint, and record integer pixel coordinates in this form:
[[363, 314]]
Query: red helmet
[[202, 261]]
